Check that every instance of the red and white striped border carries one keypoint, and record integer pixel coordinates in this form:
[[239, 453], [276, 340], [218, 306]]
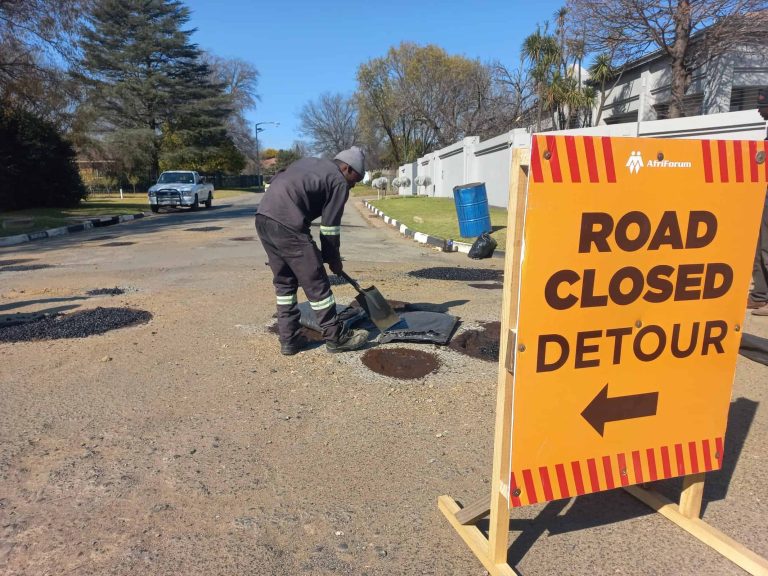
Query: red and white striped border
[[545, 483]]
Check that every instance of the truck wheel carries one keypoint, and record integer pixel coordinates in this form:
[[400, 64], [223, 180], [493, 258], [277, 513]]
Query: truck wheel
[[154, 208], [195, 204], [209, 201]]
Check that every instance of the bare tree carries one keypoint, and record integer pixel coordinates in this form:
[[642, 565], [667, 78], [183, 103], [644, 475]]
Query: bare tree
[[330, 123], [690, 32], [37, 44], [240, 80]]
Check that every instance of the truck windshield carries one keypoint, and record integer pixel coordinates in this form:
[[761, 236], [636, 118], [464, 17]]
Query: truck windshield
[[176, 178]]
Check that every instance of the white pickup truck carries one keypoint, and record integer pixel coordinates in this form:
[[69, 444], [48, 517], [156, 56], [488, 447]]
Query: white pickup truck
[[180, 188]]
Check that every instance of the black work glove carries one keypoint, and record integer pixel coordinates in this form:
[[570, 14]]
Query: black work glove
[[336, 266]]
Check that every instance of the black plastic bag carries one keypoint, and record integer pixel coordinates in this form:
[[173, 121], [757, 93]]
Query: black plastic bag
[[421, 326], [483, 247]]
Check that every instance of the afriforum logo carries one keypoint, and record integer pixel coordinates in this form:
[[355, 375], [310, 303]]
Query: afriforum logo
[[635, 162]]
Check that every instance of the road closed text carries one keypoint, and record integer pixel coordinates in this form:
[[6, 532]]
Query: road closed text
[[663, 282]]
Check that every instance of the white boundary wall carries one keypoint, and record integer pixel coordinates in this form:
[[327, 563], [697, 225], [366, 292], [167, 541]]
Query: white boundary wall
[[471, 160]]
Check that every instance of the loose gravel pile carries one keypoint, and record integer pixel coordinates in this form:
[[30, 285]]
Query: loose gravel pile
[[464, 274], [75, 325], [106, 292]]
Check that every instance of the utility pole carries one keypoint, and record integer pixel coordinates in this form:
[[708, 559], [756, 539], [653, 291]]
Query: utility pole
[[256, 130]]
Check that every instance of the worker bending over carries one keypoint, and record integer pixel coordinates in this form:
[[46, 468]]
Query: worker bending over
[[309, 188]]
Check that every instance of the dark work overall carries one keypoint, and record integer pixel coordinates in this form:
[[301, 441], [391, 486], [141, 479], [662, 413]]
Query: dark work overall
[[296, 261]]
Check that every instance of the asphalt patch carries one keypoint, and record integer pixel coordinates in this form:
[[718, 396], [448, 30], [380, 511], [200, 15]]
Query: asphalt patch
[[401, 363], [203, 229], [463, 274], [118, 243], [106, 292], [76, 325], [244, 239], [16, 261], [24, 267], [495, 286], [483, 344]]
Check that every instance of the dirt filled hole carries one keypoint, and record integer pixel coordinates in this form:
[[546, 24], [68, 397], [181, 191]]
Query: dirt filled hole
[[75, 325], [457, 273], [401, 363], [203, 229], [483, 344], [118, 244]]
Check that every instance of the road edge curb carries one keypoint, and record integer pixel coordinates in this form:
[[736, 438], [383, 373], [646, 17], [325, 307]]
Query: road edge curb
[[72, 229], [447, 245]]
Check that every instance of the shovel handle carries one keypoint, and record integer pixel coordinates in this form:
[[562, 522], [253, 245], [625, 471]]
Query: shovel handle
[[352, 281]]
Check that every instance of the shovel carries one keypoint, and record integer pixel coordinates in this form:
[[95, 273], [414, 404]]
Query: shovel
[[372, 301]]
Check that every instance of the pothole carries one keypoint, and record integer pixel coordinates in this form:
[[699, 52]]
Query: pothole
[[465, 274], [401, 363], [106, 292], [495, 286], [75, 325], [24, 267], [203, 229], [483, 344], [244, 239], [118, 243]]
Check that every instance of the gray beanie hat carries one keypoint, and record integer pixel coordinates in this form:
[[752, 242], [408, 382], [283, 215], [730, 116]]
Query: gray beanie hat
[[354, 157]]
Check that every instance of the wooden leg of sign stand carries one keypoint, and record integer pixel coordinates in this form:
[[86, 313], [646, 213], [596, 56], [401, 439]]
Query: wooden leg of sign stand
[[686, 515], [492, 551]]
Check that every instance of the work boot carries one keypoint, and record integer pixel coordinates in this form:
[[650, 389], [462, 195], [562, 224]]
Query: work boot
[[348, 340], [294, 346], [755, 304]]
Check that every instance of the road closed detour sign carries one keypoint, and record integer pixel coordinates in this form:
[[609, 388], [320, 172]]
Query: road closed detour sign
[[636, 265]]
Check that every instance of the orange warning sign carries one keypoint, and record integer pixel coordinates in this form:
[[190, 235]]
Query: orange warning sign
[[636, 264]]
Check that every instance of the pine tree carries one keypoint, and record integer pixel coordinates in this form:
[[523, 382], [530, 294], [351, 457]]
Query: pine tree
[[146, 75]]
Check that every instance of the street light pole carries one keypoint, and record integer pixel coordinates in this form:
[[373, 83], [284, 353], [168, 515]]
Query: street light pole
[[256, 130]]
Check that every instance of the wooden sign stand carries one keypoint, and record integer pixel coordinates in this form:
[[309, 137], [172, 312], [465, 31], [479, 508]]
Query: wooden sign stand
[[491, 550]]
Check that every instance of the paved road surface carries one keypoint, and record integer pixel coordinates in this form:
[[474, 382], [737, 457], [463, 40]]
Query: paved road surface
[[189, 446]]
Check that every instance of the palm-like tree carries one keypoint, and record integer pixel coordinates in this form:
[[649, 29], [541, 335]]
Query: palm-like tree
[[543, 53]]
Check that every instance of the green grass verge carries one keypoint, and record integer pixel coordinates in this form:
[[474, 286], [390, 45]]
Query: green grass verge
[[437, 217], [36, 219]]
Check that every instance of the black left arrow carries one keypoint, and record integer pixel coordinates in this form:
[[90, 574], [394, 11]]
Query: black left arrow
[[603, 409]]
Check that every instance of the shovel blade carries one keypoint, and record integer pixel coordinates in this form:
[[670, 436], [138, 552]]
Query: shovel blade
[[377, 308]]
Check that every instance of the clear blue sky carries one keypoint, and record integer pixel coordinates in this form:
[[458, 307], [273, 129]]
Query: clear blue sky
[[303, 48]]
